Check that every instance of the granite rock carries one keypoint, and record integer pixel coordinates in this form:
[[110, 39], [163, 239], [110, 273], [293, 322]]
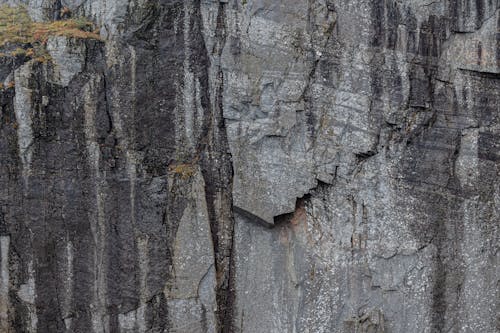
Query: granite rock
[[254, 166]]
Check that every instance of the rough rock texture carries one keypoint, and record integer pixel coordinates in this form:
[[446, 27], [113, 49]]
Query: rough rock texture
[[254, 166]]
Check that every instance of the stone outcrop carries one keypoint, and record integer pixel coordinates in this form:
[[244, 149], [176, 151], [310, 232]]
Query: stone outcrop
[[253, 166]]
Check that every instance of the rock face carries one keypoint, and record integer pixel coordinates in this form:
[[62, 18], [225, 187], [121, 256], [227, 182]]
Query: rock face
[[254, 166]]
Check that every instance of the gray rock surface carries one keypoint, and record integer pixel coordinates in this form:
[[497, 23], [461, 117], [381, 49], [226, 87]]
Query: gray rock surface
[[254, 166]]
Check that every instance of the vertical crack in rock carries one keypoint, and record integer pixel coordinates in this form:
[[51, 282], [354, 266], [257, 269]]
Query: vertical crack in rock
[[217, 168], [97, 219]]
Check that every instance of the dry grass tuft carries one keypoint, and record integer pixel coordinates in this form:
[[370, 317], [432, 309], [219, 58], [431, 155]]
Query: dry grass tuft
[[79, 28], [16, 27], [185, 171]]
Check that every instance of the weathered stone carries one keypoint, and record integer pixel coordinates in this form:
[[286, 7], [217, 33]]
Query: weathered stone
[[253, 166]]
